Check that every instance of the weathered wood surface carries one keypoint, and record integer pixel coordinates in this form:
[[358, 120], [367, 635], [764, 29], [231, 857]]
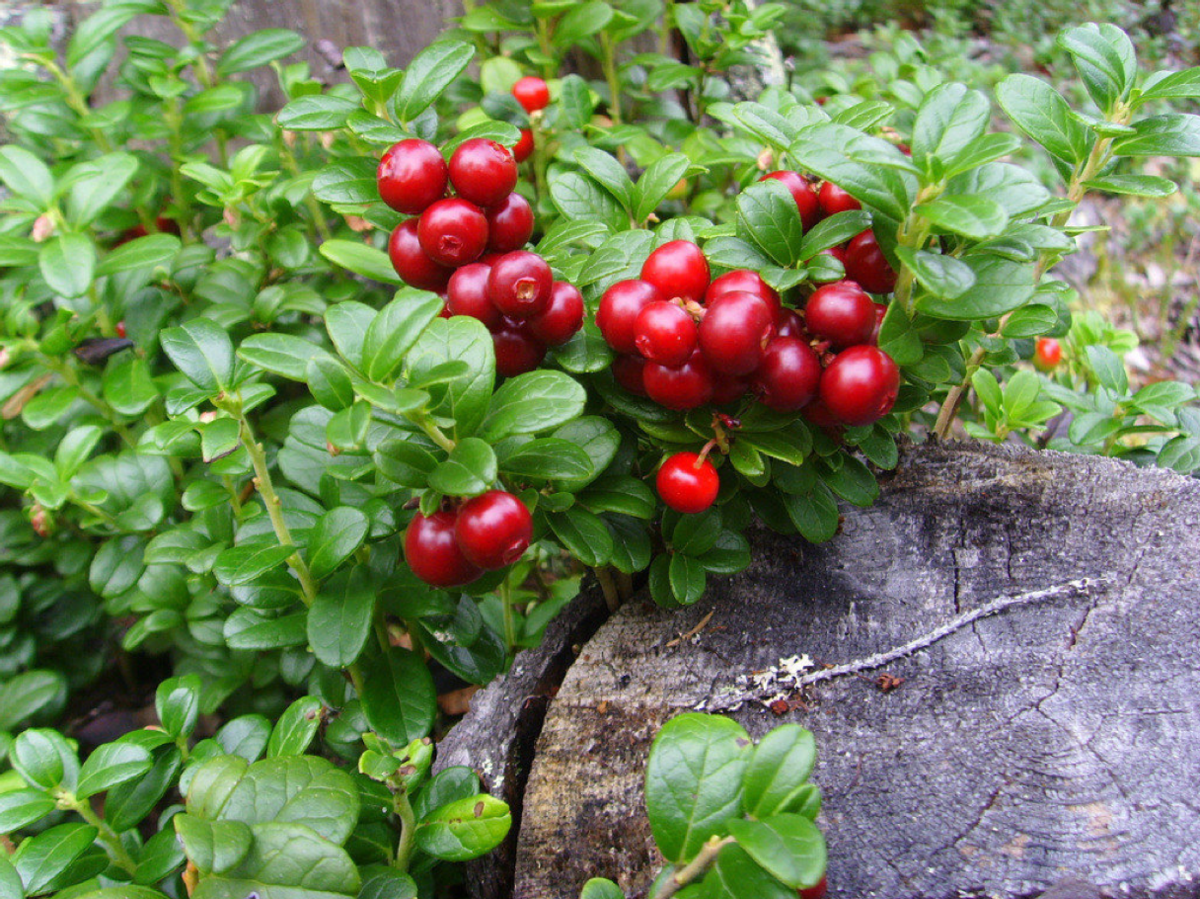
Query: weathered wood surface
[[1052, 740]]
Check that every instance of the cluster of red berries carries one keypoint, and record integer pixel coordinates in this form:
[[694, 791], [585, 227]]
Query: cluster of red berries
[[468, 247], [453, 547], [686, 341]]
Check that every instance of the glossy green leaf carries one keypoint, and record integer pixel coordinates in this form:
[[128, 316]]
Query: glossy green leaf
[[258, 49], [584, 534], [943, 276], [316, 113], [399, 698], [1106, 61], [656, 182], [44, 759], [735, 875], [977, 217], [95, 183], [470, 469], [360, 259], [1000, 286], [201, 349], [26, 176], [43, 857], [339, 621], [948, 120], [285, 861], [337, 534], [68, 263], [465, 829], [788, 846], [533, 402], [31, 694], [608, 173], [395, 329], [548, 458], [767, 216], [20, 808], [242, 564], [1041, 112], [281, 354], [349, 182], [296, 728], [213, 846], [430, 73], [1173, 134], [779, 768], [466, 398]]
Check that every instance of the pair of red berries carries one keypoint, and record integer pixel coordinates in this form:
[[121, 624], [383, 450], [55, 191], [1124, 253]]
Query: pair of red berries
[[451, 548], [533, 95], [518, 300]]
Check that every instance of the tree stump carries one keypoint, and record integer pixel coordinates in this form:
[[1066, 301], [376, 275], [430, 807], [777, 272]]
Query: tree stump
[[1054, 739]]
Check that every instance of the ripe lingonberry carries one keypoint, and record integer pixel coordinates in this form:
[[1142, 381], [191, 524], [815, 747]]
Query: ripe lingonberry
[[788, 375], [433, 554], [619, 309], [466, 294], [562, 318], [629, 372], [734, 332], [802, 192], [815, 892], [494, 529], [453, 232], [532, 93], [866, 264], [412, 263], [510, 224], [524, 147], [520, 284], [880, 311], [841, 313], [833, 199], [412, 176], [788, 323], [729, 389], [121, 329], [678, 269], [682, 388], [664, 333], [517, 351], [742, 280], [1047, 353], [860, 385], [687, 483], [483, 171]]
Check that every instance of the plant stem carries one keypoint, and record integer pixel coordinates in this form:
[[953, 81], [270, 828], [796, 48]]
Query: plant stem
[[68, 374], [510, 627], [289, 162], [408, 830], [609, 63], [107, 835], [954, 397], [612, 597], [695, 869]]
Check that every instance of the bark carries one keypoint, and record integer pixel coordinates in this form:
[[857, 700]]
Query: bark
[[1053, 739]]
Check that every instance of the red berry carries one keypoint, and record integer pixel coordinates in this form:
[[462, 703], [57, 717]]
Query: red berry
[[494, 529], [483, 171], [880, 311], [788, 323], [815, 892], [833, 199], [619, 309], [678, 269], [841, 313], [120, 329], [467, 295], [686, 387], [802, 192], [412, 176], [433, 553], [742, 280], [838, 253], [523, 148], [411, 262], [166, 225], [453, 232], [734, 332], [729, 389], [866, 264], [816, 413], [532, 93], [664, 333], [1047, 353], [520, 284], [517, 351], [788, 375], [629, 372], [562, 318], [510, 225], [860, 385], [687, 483]]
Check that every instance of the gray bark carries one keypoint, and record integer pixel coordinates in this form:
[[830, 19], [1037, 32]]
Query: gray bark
[[1050, 740]]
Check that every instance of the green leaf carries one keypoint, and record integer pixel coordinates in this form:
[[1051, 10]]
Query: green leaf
[[581, 21], [942, 276], [1105, 59], [339, 621], [68, 263], [109, 765], [337, 534], [201, 349], [1000, 286], [581, 199], [983, 150], [177, 702], [694, 781], [548, 458], [788, 846], [1134, 185], [1109, 369], [10, 881], [127, 804], [258, 49], [533, 402], [26, 176], [607, 172], [1040, 111], [814, 514], [347, 325], [20, 808], [687, 577], [316, 112], [361, 260], [768, 217], [977, 217], [1030, 321], [584, 534], [782, 763], [42, 858], [349, 182], [471, 469], [44, 759], [656, 182], [735, 875], [1173, 134], [1183, 85], [296, 728], [948, 120], [149, 252], [600, 888], [464, 399], [836, 229], [212, 846], [465, 829], [281, 354], [395, 329], [575, 102], [249, 629], [405, 463], [246, 736], [285, 861], [30, 694], [94, 184], [399, 698], [865, 167], [243, 564], [429, 74]]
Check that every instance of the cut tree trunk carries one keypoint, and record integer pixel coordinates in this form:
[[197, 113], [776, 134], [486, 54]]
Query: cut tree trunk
[[1053, 739]]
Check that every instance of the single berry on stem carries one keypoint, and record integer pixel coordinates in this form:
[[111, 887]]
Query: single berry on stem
[[619, 309], [687, 483], [412, 176], [562, 318], [493, 529], [665, 333], [466, 294], [866, 264], [1047, 353], [532, 93], [860, 385], [520, 284], [678, 269], [412, 263], [802, 192], [433, 553], [735, 331], [510, 224], [453, 232], [841, 313], [483, 171], [789, 374]]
